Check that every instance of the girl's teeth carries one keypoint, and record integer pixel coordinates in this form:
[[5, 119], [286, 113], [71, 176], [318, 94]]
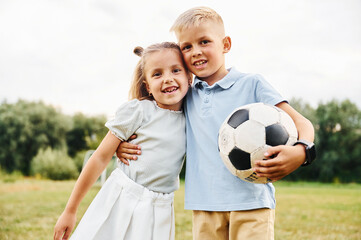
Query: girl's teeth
[[170, 89]]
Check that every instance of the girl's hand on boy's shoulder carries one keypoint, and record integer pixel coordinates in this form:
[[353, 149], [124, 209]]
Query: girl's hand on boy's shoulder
[[127, 151], [280, 161]]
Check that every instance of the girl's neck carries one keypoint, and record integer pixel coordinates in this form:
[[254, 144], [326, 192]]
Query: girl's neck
[[175, 107]]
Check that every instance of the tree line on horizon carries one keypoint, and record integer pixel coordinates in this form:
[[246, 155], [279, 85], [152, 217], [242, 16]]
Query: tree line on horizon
[[33, 134]]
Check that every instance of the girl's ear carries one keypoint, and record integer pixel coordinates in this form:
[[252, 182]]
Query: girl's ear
[[227, 44], [147, 87]]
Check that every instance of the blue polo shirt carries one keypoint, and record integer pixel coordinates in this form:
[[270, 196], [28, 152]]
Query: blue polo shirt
[[209, 185]]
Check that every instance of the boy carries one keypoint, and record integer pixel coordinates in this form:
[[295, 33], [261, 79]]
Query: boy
[[225, 207]]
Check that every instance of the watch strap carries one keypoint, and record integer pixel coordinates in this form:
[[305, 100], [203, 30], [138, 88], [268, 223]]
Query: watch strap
[[310, 151]]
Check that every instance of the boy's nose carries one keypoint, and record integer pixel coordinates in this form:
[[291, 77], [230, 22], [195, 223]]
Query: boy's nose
[[196, 51]]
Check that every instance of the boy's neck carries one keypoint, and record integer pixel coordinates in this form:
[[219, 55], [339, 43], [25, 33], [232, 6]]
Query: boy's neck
[[217, 76]]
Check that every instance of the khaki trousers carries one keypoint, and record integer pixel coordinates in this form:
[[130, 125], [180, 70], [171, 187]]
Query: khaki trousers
[[235, 225]]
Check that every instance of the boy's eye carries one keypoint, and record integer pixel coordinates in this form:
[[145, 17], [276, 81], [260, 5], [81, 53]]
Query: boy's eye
[[176, 70], [186, 47], [204, 42]]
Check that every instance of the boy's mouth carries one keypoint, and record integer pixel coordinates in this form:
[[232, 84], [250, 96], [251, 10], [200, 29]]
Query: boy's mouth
[[199, 63], [170, 89]]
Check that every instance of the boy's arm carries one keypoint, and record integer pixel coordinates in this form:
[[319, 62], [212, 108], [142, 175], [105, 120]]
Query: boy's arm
[[288, 158], [128, 150]]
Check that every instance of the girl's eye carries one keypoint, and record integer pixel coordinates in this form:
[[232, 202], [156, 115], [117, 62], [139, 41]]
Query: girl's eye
[[157, 74], [176, 70]]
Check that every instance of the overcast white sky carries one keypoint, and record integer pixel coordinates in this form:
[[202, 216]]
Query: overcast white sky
[[77, 55]]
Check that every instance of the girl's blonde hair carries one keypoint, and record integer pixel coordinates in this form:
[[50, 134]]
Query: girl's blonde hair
[[138, 89], [194, 17]]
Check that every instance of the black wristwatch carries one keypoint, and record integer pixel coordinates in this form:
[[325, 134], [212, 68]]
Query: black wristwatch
[[310, 151]]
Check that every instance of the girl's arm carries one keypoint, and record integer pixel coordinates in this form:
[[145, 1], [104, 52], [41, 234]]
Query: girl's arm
[[92, 170], [288, 158]]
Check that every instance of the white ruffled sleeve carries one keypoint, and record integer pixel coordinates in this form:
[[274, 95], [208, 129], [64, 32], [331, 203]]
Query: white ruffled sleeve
[[128, 118]]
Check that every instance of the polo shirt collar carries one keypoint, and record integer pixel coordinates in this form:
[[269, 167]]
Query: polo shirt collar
[[224, 83]]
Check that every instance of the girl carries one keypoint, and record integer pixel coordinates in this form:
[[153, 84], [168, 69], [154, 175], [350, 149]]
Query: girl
[[136, 202]]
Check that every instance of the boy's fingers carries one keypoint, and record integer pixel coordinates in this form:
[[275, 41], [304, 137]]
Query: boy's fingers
[[133, 152], [126, 152], [269, 173], [263, 167], [125, 161], [266, 163], [260, 163], [265, 170], [127, 156], [272, 151], [134, 136], [126, 145], [128, 148]]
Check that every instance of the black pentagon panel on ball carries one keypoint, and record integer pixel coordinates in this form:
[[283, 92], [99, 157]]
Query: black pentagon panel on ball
[[276, 135], [241, 160], [238, 117]]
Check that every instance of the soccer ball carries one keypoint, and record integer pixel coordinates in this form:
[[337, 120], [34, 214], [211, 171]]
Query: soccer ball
[[248, 132]]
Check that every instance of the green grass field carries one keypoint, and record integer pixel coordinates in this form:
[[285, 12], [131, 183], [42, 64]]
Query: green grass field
[[29, 209]]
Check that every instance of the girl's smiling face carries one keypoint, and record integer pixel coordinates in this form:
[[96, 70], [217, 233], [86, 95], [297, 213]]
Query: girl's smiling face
[[166, 78]]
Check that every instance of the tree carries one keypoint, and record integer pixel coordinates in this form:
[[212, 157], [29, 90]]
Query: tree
[[304, 108], [54, 164], [338, 138], [338, 134], [86, 133], [26, 127], [304, 173]]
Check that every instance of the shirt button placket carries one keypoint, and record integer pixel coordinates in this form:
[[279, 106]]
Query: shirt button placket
[[207, 103]]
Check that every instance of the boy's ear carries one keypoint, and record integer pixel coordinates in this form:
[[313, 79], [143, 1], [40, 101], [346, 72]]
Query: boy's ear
[[190, 78], [227, 44]]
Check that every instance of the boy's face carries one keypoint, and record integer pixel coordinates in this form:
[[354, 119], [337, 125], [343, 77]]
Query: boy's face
[[203, 49]]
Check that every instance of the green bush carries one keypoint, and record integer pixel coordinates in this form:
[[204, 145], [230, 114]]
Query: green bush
[[54, 164], [78, 159], [10, 177]]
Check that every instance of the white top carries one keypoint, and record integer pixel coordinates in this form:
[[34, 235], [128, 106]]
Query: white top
[[161, 134]]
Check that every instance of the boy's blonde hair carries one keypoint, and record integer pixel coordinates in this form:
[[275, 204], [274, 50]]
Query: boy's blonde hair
[[194, 17], [138, 89]]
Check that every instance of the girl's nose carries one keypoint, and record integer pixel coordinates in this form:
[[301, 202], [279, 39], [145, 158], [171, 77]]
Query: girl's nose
[[168, 79]]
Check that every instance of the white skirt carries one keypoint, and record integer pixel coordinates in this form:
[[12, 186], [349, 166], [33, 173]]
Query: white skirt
[[123, 209]]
